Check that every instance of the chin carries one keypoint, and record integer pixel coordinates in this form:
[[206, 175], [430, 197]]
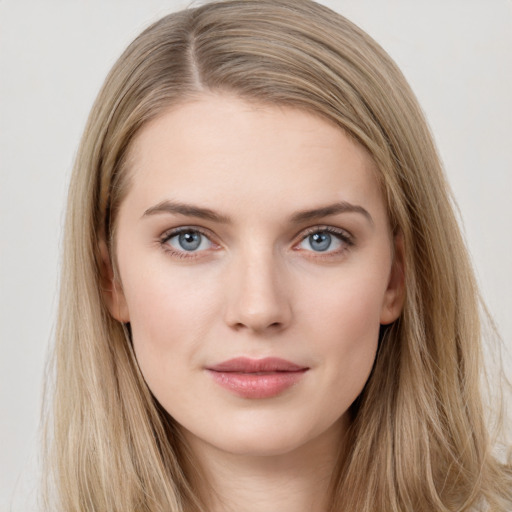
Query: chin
[[268, 437], [262, 444]]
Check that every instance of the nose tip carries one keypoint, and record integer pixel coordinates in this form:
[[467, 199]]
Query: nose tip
[[258, 300], [257, 320]]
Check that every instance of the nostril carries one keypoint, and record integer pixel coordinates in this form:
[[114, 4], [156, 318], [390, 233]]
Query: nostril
[[257, 302], [257, 327]]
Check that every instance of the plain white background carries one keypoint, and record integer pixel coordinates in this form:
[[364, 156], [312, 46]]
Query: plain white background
[[53, 58]]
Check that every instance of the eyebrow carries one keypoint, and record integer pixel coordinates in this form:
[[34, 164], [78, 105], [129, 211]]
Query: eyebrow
[[332, 209], [190, 210]]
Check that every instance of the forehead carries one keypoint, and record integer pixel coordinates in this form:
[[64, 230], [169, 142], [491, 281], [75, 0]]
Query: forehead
[[222, 150]]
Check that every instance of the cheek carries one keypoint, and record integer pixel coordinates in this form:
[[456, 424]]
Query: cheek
[[348, 316], [164, 300], [348, 308], [170, 317]]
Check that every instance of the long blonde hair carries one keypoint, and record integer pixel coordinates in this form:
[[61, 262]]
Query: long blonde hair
[[419, 441]]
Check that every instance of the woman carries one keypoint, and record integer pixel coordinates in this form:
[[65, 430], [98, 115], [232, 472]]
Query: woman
[[266, 301]]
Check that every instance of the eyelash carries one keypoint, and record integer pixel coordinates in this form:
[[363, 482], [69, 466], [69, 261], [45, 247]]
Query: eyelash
[[177, 231], [344, 237]]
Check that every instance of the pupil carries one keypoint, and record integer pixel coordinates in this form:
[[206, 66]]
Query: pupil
[[320, 241], [190, 240]]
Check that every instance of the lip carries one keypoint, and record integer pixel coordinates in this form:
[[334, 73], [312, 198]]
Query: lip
[[257, 378]]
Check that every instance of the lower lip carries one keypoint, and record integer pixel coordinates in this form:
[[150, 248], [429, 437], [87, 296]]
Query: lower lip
[[254, 385]]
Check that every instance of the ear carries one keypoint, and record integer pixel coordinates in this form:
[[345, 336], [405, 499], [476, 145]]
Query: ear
[[395, 292], [111, 289]]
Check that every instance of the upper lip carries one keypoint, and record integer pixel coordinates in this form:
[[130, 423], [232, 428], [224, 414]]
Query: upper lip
[[248, 365]]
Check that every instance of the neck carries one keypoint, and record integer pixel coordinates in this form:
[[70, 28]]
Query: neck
[[297, 481]]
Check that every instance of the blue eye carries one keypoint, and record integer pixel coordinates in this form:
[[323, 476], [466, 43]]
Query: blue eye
[[323, 240], [320, 241], [189, 240]]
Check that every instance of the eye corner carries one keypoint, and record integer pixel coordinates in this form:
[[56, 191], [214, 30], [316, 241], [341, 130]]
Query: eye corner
[[340, 238], [199, 243]]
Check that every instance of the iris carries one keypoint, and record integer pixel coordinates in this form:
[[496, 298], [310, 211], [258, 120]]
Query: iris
[[189, 240], [320, 241]]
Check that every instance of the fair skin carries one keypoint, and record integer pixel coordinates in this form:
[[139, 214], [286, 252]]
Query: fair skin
[[218, 260]]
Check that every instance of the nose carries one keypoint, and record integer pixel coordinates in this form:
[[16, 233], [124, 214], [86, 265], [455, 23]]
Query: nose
[[258, 298]]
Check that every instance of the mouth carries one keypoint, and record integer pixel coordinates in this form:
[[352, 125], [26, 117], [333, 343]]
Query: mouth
[[257, 378]]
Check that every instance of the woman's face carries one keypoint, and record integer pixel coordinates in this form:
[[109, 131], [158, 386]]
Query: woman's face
[[256, 266]]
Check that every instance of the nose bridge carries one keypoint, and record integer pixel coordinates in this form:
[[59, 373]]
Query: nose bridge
[[258, 297]]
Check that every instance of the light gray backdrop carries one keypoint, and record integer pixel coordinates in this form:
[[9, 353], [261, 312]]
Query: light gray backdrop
[[53, 57]]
